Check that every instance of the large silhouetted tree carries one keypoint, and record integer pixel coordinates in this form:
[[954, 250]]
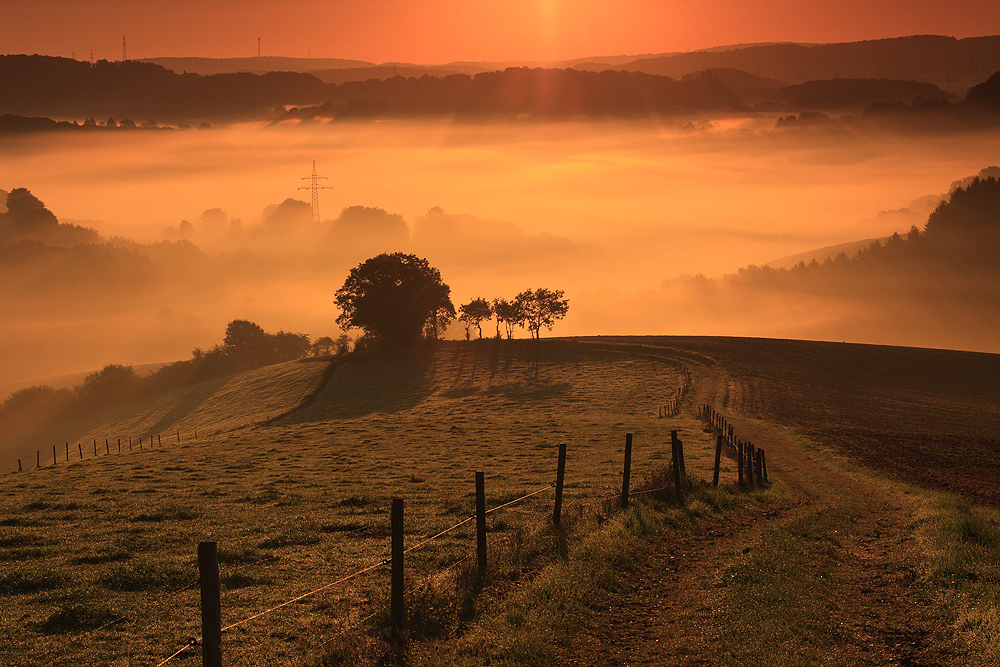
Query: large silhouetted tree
[[393, 298], [541, 308]]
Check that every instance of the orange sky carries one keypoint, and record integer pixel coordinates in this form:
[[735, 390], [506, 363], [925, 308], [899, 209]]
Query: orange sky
[[438, 31]]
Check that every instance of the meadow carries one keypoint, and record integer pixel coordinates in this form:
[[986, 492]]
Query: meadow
[[845, 559], [100, 554]]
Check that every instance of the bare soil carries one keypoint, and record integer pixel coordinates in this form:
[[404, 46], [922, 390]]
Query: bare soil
[[854, 578]]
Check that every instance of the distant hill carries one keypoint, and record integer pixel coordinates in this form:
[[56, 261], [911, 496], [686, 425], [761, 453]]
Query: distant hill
[[381, 72], [820, 255], [523, 92], [62, 88], [949, 63], [738, 80], [263, 65], [135, 94], [855, 94], [951, 263]]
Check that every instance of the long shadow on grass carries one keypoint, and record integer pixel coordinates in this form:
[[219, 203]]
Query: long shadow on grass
[[366, 385]]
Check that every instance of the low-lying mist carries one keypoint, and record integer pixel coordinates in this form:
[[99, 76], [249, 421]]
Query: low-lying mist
[[619, 215]]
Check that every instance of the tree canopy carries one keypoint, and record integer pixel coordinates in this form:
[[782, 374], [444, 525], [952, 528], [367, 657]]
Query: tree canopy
[[971, 216], [394, 297], [475, 313], [541, 308]]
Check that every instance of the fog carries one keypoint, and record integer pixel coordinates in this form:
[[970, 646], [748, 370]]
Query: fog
[[616, 214]]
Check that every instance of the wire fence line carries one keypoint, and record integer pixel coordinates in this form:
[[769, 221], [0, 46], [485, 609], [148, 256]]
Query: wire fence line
[[382, 563]]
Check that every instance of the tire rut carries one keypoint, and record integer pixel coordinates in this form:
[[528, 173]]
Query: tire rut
[[672, 610]]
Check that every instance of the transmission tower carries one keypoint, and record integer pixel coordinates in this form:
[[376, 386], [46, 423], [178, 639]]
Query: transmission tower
[[314, 185]]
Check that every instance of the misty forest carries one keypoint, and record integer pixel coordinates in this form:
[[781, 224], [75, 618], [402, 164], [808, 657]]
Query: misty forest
[[251, 301]]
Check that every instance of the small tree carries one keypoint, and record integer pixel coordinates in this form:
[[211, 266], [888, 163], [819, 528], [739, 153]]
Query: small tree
[[541, 308], [475, 312], [287, 346], [508, 313], [393, 298], [112, 384], [247, 344], [322, 347], [439, 321]]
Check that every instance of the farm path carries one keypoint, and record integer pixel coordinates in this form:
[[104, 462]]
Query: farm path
[[840, 544]]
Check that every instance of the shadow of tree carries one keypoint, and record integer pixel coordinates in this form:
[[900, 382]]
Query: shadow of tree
[[372, 385]]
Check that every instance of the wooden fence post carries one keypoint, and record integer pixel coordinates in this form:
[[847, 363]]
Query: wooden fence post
[[739, 460], [38, 458], [79, 446], [627, 473], [211, 607], [675, 460], [760, 473], [397, 610], [67, 452], [763, 465], [748, 448], [19, 465], [95, 446], [718, 460], [560, 476], [130, 443], [159, 442], [480, 530], [107, 447], [119, 445], [178, 437], [53, 454], [680, 453]]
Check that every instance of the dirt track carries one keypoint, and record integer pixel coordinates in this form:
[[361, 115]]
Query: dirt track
[[852, 581]]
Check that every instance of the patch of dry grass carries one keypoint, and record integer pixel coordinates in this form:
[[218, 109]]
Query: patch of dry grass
[[304, 500]]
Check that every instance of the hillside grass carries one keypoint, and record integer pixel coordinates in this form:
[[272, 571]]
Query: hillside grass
[[100, 554], [209, 408]]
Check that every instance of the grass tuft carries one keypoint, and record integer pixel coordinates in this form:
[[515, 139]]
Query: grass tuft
[[146, 576], [77, 618], [19, 581]]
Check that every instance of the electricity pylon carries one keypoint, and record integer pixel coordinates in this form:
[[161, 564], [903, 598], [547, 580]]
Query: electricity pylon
[[315, 186]]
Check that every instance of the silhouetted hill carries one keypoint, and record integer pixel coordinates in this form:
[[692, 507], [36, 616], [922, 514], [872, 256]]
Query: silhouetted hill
[[738, 80], [820, 255], [65, 88], [138, 94], [986, 94], [954, 260], [385, 71], [952, 64], [536, 93], [262, 65], [840, 94]]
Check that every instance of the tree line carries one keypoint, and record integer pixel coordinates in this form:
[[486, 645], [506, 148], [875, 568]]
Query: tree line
[[531, 309], [245, 346], [955, 253], [399, 299]]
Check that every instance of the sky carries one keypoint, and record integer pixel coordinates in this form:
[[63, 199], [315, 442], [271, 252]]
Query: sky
[[440, 31]]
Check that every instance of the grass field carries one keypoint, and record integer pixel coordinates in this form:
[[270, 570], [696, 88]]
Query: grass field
[[295, 465], [110, 542], [929, 417]]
